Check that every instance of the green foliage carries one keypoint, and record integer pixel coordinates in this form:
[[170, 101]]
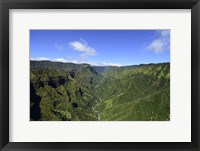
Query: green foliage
[[73, 92]]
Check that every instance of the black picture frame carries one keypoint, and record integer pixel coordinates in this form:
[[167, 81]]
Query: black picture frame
[[5, 5]]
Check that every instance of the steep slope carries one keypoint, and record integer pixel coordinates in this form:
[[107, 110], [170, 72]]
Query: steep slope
[[66, 91], [135, 93], [62, 91]]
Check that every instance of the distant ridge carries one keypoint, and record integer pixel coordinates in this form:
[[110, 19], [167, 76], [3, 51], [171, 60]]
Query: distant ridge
[[98, 65]]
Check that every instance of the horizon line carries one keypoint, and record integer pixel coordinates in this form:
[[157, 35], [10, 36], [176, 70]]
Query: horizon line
[[102, 64]]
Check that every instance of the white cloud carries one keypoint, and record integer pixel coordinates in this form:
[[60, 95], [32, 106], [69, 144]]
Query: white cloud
[[164, 33], [161, 43], [85, 50], [112, 64], [55, 60], [59, 46], [77, 61], [60, 59], [83, 47], [39, 58], [157, 45], [103, 64]]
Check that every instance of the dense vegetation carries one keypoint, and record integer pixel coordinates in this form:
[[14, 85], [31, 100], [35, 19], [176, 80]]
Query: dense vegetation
[[81, 92]]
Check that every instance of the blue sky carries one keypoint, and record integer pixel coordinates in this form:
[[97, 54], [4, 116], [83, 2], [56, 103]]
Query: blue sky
[[101, 47]]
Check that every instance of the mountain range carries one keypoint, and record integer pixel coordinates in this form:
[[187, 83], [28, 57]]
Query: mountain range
[[82, 92]]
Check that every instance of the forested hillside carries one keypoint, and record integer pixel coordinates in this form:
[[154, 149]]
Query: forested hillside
[[81, 92]]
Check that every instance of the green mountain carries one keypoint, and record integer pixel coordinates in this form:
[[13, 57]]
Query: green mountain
[[81, 92]]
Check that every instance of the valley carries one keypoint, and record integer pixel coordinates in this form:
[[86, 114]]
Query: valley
[[81, 92]]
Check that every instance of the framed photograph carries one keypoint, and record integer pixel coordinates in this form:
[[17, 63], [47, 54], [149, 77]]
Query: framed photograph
[[99, 75]]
